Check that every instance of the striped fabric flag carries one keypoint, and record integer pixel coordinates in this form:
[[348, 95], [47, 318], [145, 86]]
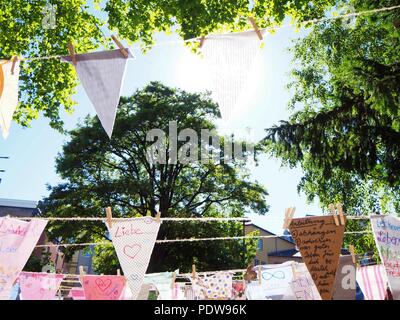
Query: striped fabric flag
[[373, 282], [189, 292]]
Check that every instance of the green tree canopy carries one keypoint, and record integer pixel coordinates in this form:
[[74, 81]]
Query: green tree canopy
[[344, 131], [99, 172], [47, 86]]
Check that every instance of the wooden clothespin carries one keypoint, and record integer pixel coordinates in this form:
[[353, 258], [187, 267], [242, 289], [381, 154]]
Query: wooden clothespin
[[289, 213], [14, 61], [118, 272], [352, 252], [193, 271], [71, 50], [173, 279], [333, 212], [81, 273], [286, 220], [109, 216], [254, 24], [259, 274], [120, 46], [202, 41], [294, 271], [340, 211], [158, 217]]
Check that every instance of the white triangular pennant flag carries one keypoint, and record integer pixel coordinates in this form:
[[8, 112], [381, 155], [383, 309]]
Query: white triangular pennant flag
[[387, 237], [101, 75], [230, 59], [8, 94], [134, 241]]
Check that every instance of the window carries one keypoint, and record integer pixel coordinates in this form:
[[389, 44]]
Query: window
[[260, 245]]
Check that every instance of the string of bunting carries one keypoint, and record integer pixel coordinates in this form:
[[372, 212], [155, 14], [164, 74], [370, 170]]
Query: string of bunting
[[105, 69], [170, 219], [311, 21], [202, 219], [179, 240]]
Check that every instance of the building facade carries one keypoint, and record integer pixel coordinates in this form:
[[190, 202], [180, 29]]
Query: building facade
[[26, 208], [273, 250], [21, 208]]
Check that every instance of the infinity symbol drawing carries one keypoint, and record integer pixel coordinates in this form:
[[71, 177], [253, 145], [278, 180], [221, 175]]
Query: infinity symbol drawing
[[269, 275]]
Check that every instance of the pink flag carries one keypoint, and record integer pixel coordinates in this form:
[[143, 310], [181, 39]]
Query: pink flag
[[17, 241], [39, 285], [103, 287], [372, 281], [77, 294]]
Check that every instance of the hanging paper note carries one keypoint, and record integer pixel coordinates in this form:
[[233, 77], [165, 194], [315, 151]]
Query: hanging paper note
[[39, 286], [103, 287], [101, 75], [213, 287], [178, 291], [254, 291], [134, 241], [387, 237], [372, 281], [319, 241], [303, 288], [230, 59], [301, 271], [143, 293], [17, 241], [345, 281], [239, 290], [8, 93], [77, 294], [163, 282], [275, 279], [189, 292]]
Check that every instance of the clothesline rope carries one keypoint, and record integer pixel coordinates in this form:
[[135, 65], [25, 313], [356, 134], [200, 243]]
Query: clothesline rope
[[202, 219], [311, 21], [109, 243], [104, 219], [178, 275]]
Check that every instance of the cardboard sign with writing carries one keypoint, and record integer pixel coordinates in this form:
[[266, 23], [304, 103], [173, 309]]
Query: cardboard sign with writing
[[18, 238], [387, 237], [303, 288], [134, 241], [319, 240], [345, 281]]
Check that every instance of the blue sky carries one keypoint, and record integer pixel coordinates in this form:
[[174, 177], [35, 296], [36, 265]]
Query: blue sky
[[32, 151]]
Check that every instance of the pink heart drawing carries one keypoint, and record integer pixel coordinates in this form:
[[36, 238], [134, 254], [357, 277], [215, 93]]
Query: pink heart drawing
[[132, 250], [103, 284]]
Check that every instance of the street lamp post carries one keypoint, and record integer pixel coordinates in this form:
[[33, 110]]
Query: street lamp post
[[1, 170]]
